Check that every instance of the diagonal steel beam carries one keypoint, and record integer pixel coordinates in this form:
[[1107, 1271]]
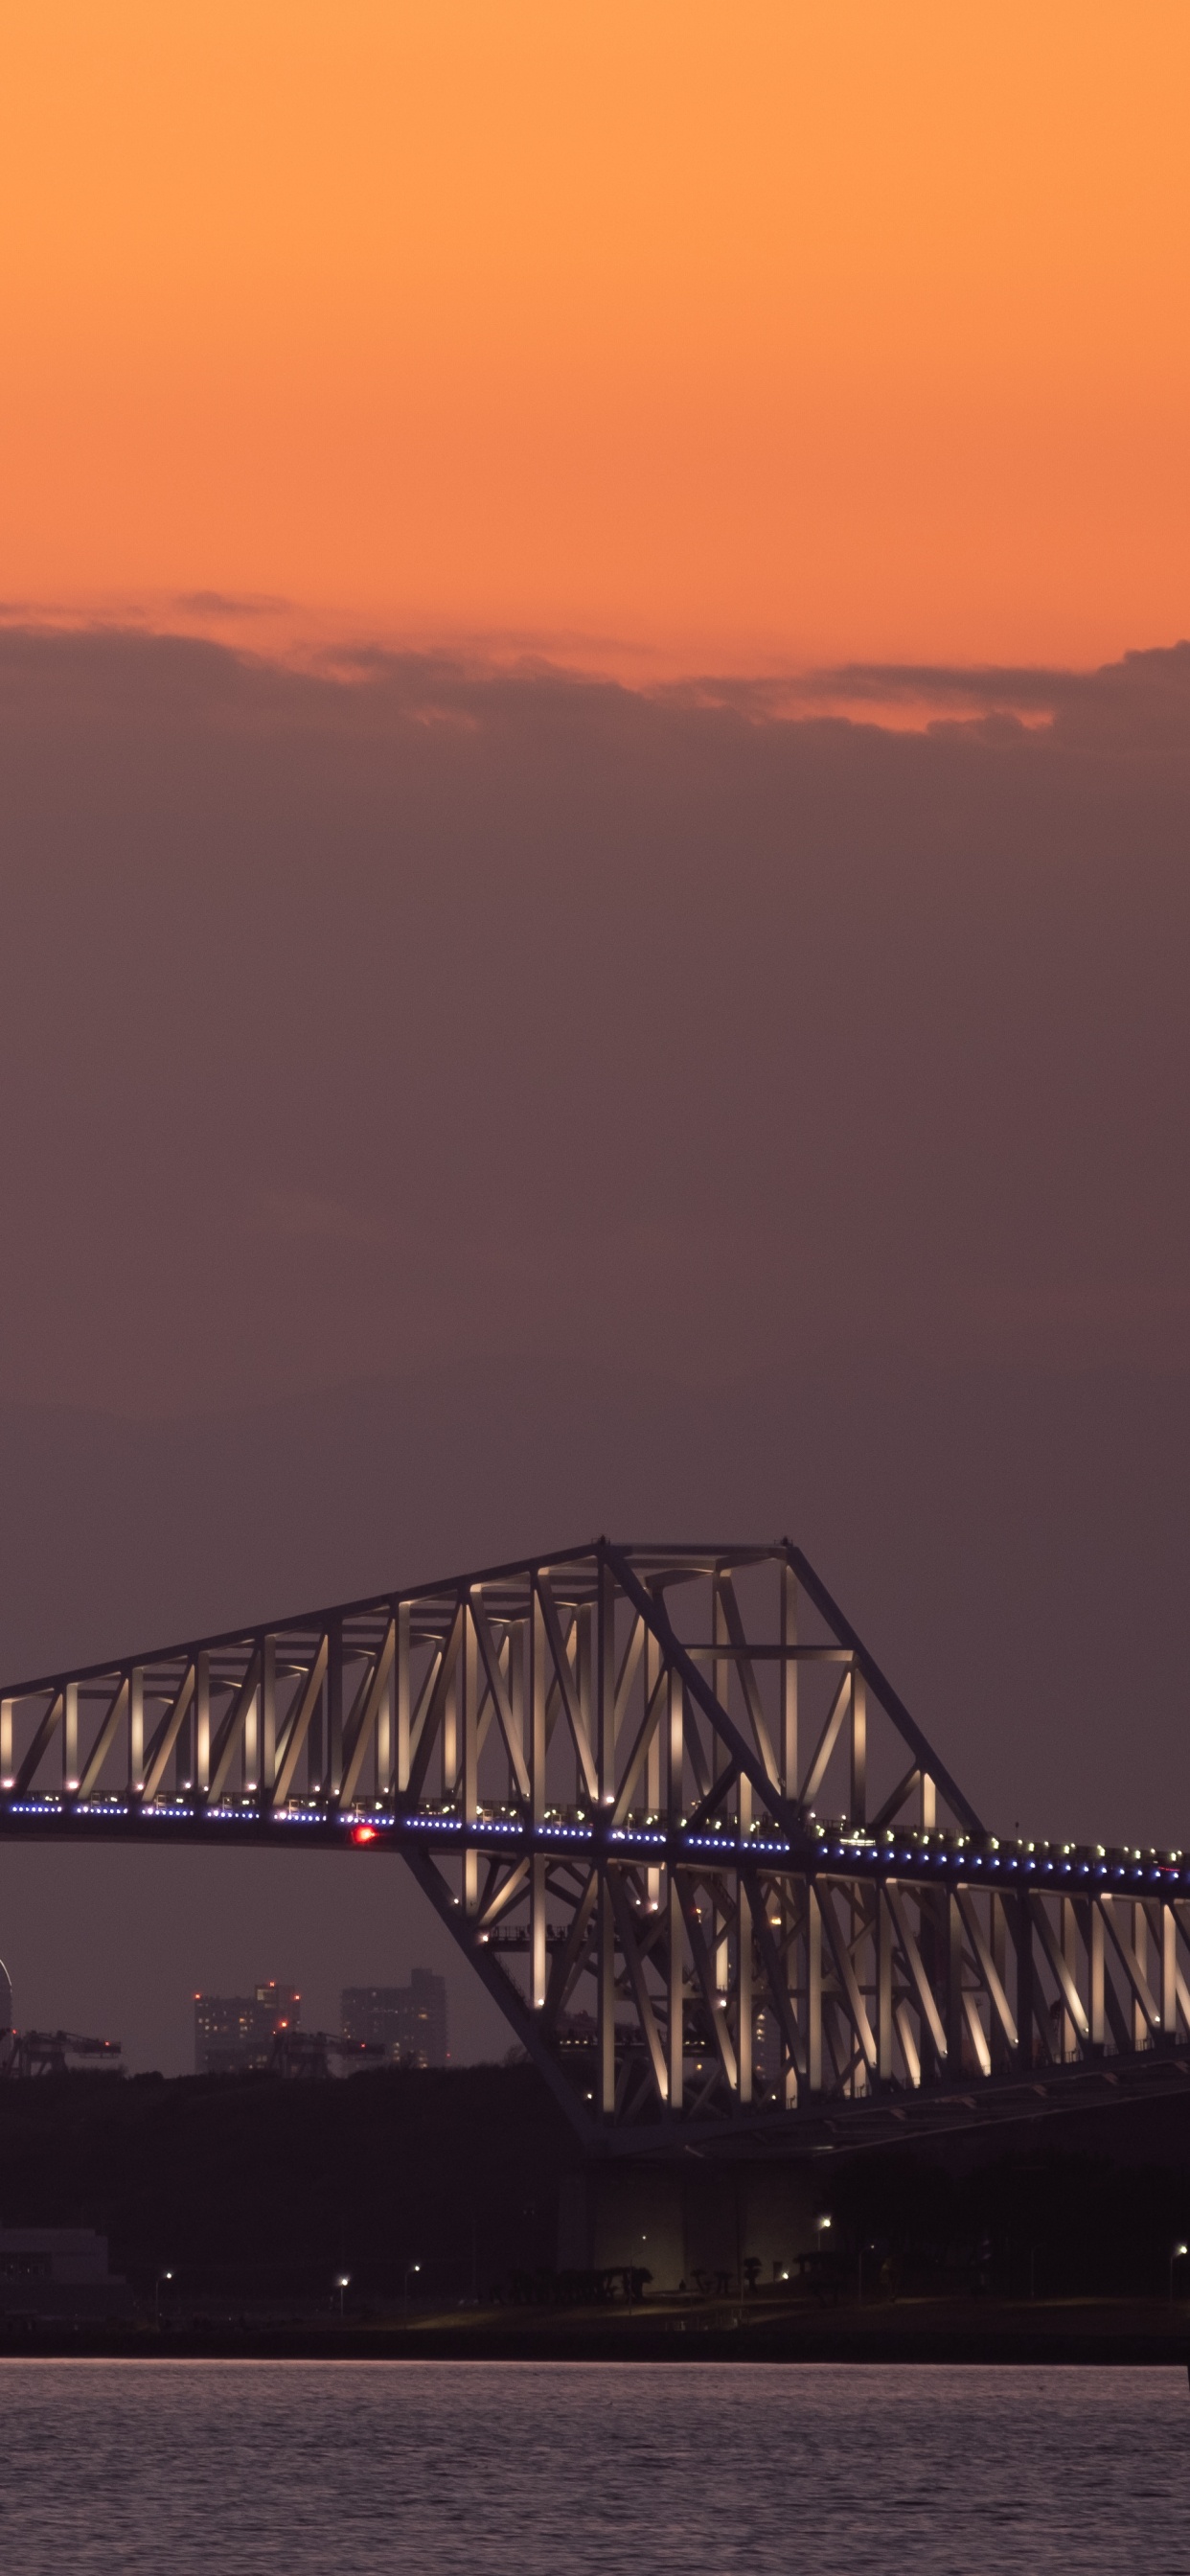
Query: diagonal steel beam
[[299, 1723], [498, 1686], [487, 1967], [47, 1729], [166, 1733], [104, 1740], [653, 1613], [583, 1746], [837, 1715], [892, 1704]]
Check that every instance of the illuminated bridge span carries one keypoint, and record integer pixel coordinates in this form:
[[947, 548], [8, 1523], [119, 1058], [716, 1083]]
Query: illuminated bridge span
[[671, 1811]]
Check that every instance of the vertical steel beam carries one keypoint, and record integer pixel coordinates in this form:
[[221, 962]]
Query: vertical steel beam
[[401, 1684], [268, 1714], [1070, 1953], [7, 1772], [448, 1736], [1169, 1972], [675, 1731], [605, 1685], [931, 1950], [721, 1669], [788, 1755], [744, 2005], [1026, 1987], [70, 1735], [518, 1647], [385, 1736], [885, 2031], [538, 1942], [791, 1942], [250, 1741], [136, 1729], [315, 1743], [202, 1722], [1095, 1995], [183, 1751], [1140, 1947], [720, 1665], [538, 1690], [813, 1990], [859, 1748], [605, 2006], [652, 1781], [584, 1683], [333, 1774], [997, 1945], [675, 1781], [469, 1692], [722, 1690], [676, 1982]]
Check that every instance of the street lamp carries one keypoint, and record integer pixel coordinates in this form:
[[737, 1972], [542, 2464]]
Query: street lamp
[[410, 2269], [342, 2284], [168, 2276], [821, 2229], [1175, 2255]]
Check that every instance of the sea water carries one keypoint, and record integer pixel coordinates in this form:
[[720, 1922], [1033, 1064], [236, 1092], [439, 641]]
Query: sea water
[[533, 2469]]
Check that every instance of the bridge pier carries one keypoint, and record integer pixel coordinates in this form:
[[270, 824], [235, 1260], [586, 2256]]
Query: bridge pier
[[690, 2223]]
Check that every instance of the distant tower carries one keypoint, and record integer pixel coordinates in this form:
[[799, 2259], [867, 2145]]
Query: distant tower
[[407, 2022], [235, 2032]]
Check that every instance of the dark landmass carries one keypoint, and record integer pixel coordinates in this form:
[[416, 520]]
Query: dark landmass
[[256, 2196], [254, 2190]]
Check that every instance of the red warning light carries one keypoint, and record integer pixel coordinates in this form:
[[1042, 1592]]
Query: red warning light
[[363, 1833]]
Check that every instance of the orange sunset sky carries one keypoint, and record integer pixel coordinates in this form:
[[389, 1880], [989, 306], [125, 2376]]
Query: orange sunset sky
[[715, 333]]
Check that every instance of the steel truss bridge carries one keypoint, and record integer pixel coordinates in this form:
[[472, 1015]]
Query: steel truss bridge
[[671, 1811]]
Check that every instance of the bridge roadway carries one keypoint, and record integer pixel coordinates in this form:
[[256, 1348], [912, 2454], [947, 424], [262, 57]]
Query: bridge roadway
[[919, 1859], [605, 1769]]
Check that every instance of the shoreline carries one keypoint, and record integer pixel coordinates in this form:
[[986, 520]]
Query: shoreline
[[1094, 2333]]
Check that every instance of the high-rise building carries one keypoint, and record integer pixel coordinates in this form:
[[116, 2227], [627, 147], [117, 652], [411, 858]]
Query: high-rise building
[[236, 2032], [407, 2022]]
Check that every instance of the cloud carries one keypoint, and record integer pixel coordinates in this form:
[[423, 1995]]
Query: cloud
[[406, 1005], [222, 603], [1145, 693]]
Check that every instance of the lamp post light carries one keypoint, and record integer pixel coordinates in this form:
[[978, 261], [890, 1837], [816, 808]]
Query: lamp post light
[[821, 2231], [342, 2284], [1175, 2255], [410, 2269], [168, 2276]]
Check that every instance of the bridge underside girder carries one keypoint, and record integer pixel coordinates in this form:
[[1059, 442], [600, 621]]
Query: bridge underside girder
[[671, 1810]]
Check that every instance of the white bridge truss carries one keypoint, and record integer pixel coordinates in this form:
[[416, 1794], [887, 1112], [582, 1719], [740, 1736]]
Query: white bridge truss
[[671, 1811]]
